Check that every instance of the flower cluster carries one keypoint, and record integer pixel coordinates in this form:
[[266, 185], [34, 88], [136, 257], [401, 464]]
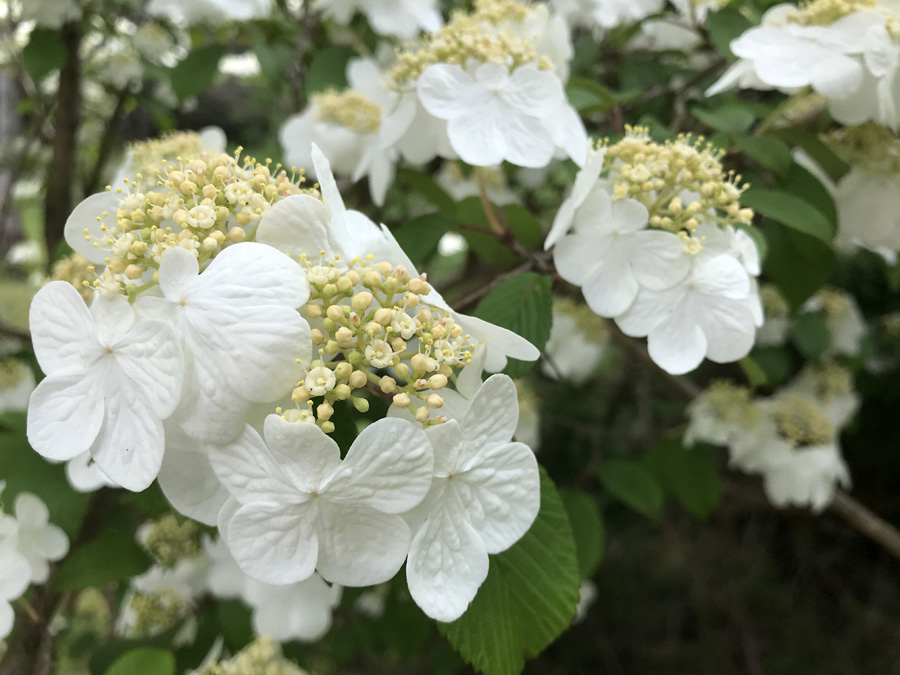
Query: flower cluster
[[485, 88], [654, 246], [28, 542], [261, 656], [398, 18], [845, 50], [790, 439]]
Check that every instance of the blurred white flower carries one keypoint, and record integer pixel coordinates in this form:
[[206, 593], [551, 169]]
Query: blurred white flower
[[50, 13], [15, 572], [846, 326], [16, 384], [39, 540], [403, 19], [577, 342]]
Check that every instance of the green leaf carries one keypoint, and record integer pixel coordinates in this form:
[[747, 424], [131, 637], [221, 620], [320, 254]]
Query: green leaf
[[791, 211], [724, 26], [113, 556], [767, 151], [730, 119], [144, 661], [754, 373], [44, 53], [195, 73], [419, 237], [328, 69], [798, 263], [26, 471], [775, 362], [587, 526], [425, 185], [691, 475], [588, 96], [810, 334], [830, 163], [800, 182], [632, 484], [521, 304], [528, 598], [274, 60]]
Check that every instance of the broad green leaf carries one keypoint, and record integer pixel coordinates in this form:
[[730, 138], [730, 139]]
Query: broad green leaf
[[690, 475], [798, 263], [26, 471], [419, 237], [730, 119], [144, 661], [754, 373], [810, 334], [113, 556], [830, 163], [528, 598], [587, 526], [274, 60], [632, 484], [327, 70], [588, 96], [801, 183], [789, 210], [523, 305], [766, 151], [425, 185], [195, 73], [44, 53], [775, 362], [724, 26]]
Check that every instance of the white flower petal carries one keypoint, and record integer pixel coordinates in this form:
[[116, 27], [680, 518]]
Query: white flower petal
[[304, 453], [528, 141], [84, 217], [295, 225], [611, 287], [535, 92], [492, 416], [151, 358], [177, 270], [478, 137], [249, 471], [447, 91], [658, 260], [84, 475], [65, 414], [187, 478], [676, 344], [62, 329]]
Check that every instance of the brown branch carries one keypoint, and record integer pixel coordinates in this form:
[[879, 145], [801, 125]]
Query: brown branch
[[61, 174], [478, 293], [107, 143]]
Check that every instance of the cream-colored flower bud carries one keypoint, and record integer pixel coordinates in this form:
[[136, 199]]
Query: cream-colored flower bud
[[434, 401], [362, 301], [746, 215], [401, 400], [237, 234], [134, 272], [411, 300], [324, 411], [188, 187], [438, 331], [243, 218], [402, 370], [387, 384], [342, 370], [445, 370], [118, 265], [332, 347], [341, 392], [424, 315], [138, 248], [353, 276], [391, 284], [335, 313], [313, 311], [383, 316], [385, 268], [343, 335], [361, 404], [210, 191], [176, 177], [419, 286], [328, 290], [344, 284], [437, 382], [419, 363], [180, 217], [358, 379], [422, 415], [209, 245], [300, 394], [456, 331], [398, 344], [401, 273]]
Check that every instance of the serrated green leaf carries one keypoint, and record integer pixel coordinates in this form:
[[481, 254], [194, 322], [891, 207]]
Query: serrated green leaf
[[797, 263], [766, 151], [195, 73], [588, 96], [724, 26], [791, 211], [523, 305], [729, 119], [528, 598], [690, 475], [44, 53], [810, 334], [328, 69], [113, 556], [144, 661], [633, 485], [587, 526]]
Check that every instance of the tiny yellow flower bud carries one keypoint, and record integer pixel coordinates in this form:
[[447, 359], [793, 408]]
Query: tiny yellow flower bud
[[344, 284], [437, 381], [210, 191], [424, 315], [313, 311], [373, 328], [327, 427], [358, 379], [324, 411], [438, 331], [383, 316], [361, 404], [372, 279], [209, 245], [138, 248], [117, 265], [387, 384], [422, 415], [445, 370], [419, 363], [353, 276], [385, 268], [237, 234], [434, 401], [398, 344], [361, 302], [329, 289], [300, 394], [401, 273], [318, 337], [342, 370], [343, 335], [342, 392], [401, 400], [411, 300], [402, 369], [133, 272], [419, 286], [335, 313], [332, 347]]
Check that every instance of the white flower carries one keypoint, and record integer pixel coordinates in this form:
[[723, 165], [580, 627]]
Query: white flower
[[299, 611], [572, 354], [240, 332], [187, 478], [174, 589], [213, 11], [494, 115], [320, 380], [612, 13], [706, 314], [484, 497], [398, 18], [379, 354], [15, 572], [805, 477], [16, 384], [84, 475], [111, 381], [846, 326], [610, 255], [586, 181], [39, 541], [304, 225], [50, 14], [297, 507]]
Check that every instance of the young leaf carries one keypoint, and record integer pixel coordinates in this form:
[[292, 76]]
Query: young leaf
[[195, 73], [43, 54], [724, 26], [529, 596], [798, 263], [145, 661], [690, 474], [810, 334], [587, 526], [523, 305], [767, 151], [791, 211], [110, 557], [633, 485]]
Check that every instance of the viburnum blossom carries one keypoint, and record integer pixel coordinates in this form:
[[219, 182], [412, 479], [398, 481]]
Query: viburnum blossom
[[399, 18], [484, 496], [208, 11], [111, 380], [51, 13], [39, 540], [15, 572], [606, 14], [576, 344], [845, 323], [298, 507]]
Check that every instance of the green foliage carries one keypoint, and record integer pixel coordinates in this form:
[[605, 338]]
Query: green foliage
[[768, 152], [831, 164], [730, 119], [810, 334], [144, 661], [797, 263], [529, 596], [327, 70], [195, 73], [419, 237], [44, 53], [523, 305], [791, 211], [688, 474], [724, 26], [633, 485], [588, 528], [112, 556], [588, 96]]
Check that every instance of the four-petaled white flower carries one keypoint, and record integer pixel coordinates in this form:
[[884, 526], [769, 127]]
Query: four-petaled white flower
[[494, 115], [300, 611], [39, 540], [111, 381], [484, 497], [398, 18], [15, 572], [240, 331], [298, 507]]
